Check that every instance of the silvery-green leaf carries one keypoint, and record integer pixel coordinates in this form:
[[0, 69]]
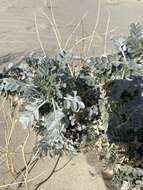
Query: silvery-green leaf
[[118, 42], [136, 30], [36, 114], [74, 102], [26, 119]]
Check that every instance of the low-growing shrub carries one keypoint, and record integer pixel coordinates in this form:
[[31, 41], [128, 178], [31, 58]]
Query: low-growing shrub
[[70, 107]]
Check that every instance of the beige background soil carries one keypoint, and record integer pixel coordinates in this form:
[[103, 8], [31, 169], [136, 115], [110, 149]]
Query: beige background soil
[[18, 35]]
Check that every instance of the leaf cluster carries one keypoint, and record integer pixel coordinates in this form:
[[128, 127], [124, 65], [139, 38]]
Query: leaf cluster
[[67, 110]]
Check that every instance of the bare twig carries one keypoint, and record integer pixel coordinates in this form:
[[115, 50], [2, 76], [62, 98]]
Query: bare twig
[[80, 40], [38, 35], [54, 22], [53, 28], [25, 161], [28, 166], [62, 167], [9, 128], [96, 24], [22, 182], [106, 32], [74, 30], [51, 174], [112, 30]]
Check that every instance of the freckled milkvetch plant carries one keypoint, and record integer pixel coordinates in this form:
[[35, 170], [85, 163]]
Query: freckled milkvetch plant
[[69, 108]]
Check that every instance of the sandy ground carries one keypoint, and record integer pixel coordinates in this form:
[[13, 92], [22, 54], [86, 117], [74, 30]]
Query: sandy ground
[[17, 22], [18, 35]]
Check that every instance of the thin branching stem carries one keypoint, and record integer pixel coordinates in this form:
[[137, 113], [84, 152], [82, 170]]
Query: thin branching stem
[[53, 28], [38, 35], [74, 30], [54, 22], [107, 31], [51, 174], [96, 24]]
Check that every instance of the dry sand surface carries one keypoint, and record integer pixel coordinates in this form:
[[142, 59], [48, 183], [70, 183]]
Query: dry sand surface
[[17, 25], [18, 35]]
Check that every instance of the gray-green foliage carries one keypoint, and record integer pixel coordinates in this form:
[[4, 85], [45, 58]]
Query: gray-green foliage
[[134, 176], [62, 106], [53, 102]]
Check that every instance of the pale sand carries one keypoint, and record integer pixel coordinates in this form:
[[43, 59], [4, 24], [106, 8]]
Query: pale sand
[[18, 35], [17, 28]]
